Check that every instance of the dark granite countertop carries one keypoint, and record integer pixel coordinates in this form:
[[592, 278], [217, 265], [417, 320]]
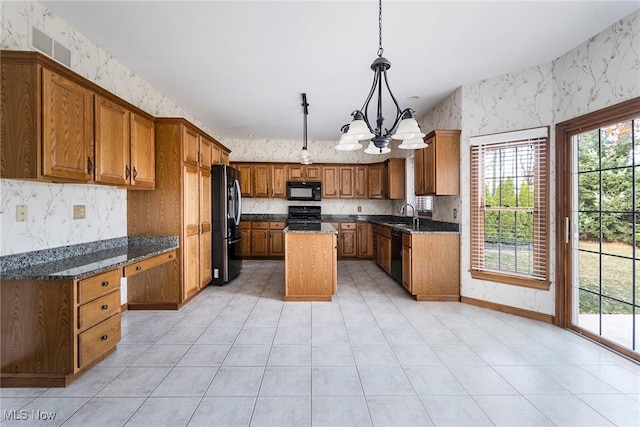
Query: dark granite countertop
[[324, 228], [83, 260], [398, 222]]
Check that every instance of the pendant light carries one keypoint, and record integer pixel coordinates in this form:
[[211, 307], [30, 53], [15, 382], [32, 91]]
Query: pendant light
[[305, 157], [404, 127]]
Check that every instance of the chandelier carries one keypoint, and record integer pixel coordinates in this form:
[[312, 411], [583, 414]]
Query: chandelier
[[305, 157], [404, 127]]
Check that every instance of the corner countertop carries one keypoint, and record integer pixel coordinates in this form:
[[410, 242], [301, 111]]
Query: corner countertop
[[83, 260]]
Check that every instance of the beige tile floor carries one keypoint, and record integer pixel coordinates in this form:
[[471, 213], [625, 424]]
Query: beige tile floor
[[238, 355]]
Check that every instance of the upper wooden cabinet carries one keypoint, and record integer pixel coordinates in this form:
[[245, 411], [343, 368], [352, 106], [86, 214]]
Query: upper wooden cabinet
[[297, 172], [361, 182], [387, 180], [124, 146], [330, 182], [246, 180], [437, 167], [262, 179], [66, 128]]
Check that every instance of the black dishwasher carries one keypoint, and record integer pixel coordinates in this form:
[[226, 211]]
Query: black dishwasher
[[396, 255]]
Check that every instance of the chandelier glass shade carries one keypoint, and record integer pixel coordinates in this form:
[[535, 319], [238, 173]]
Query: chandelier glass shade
[[404, 126]]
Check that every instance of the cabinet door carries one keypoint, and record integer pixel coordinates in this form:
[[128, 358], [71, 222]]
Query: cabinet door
[[259, 242], [295, 173], [67, 129], [376, 181], [205, 270], [346, 182], [245, 243], [278, 181], [330, 182], [246, 179], [365, 243], [191, 231], [361, 182], [418, 171], [312, 173], [224, 158], [261, 180], [430, 168], [276, 243], [395, 179], [143, 152], [190, 146], [385, 254], [215, 154], [348, 244], [406, 268], [112, 143], [205, 153]]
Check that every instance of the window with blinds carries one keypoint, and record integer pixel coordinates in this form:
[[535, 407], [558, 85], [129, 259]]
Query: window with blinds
[[509, 208], [424, 205]]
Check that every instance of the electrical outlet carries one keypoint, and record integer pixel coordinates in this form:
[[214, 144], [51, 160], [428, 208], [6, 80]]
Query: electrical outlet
[[21, 213], [359, 208], [455, 213], [79, 211]]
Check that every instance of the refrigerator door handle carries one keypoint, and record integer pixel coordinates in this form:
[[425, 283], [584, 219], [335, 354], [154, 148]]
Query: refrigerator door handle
[[239, 202]]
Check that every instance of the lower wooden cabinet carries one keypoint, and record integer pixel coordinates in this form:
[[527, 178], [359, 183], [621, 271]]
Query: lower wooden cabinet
[[364, 247], [266, 239], [245, 243], [382, 246], [431, 266], [311, 266], [57, 328], [347, 241]]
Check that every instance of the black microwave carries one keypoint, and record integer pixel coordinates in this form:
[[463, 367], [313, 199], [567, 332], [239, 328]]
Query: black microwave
[[304, 190]]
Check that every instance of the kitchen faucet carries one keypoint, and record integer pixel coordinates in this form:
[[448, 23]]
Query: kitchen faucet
[[416, 220]]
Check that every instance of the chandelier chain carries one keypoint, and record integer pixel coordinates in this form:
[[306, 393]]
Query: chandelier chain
[[380, 49]]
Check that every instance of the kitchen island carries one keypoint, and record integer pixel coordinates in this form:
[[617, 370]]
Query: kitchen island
[[311, 262]]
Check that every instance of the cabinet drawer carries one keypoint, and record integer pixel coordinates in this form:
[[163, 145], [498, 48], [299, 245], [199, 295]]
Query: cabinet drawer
[[98, 285], [347, 226], [259, 225], [149, 263], [406, 239], [277, 225], [94, 312], [95, 342]]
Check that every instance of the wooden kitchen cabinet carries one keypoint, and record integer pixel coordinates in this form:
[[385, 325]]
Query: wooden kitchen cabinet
[[246, 179], [437, 167], [297, 172], [276, 239], [387, 180], [364, 240], [382, 246], [431, 266], [347, 182], [267, 239], [330, 182], [347, 240], [361, 182], [245, 243], [278, 182], [58, 329], [262, 179], [181, 205], [124, 146], [66, 128]]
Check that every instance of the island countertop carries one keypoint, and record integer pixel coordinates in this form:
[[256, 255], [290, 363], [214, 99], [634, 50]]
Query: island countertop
[[300, 228], [83, 260]]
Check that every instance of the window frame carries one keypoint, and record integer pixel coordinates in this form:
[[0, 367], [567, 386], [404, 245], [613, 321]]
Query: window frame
[[540, 280]]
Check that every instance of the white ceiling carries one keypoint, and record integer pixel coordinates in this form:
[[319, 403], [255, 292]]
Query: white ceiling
[[239, 67]]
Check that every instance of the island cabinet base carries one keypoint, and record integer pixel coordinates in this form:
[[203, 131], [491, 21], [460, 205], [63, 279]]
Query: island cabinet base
[[311, 266]]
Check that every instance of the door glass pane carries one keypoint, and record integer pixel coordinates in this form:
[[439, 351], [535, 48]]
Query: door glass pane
[[616, 145], [606, 247], [618, 280], [588, 151]]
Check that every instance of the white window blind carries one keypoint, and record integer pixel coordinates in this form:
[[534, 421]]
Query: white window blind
[[509, 204]]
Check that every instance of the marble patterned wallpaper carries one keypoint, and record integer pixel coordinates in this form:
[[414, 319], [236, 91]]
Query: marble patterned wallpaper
[[602, 71]]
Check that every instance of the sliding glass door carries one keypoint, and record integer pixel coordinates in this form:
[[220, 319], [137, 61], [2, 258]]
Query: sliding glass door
[[603, 232]]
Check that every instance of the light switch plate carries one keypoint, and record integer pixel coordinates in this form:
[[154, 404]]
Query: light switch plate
[[79, 211], [21, 213]]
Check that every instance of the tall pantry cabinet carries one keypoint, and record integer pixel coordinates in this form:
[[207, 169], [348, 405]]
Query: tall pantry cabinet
[[180, 205]]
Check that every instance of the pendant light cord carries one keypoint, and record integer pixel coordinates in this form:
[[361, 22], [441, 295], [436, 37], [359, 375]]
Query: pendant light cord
[[380, 49]]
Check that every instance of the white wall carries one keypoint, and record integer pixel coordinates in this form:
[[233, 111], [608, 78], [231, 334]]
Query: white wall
[[602, 71]]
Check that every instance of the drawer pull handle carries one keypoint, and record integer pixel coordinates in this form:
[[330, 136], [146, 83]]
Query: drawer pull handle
[[138, 268], [105, 337], [105, 283], [170, 256], [104, 307]]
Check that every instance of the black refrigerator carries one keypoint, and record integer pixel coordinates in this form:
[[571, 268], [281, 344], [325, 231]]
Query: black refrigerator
[[226, 211]]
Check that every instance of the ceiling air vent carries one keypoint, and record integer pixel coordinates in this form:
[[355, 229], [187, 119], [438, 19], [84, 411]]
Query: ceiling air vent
[[50, 47]]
